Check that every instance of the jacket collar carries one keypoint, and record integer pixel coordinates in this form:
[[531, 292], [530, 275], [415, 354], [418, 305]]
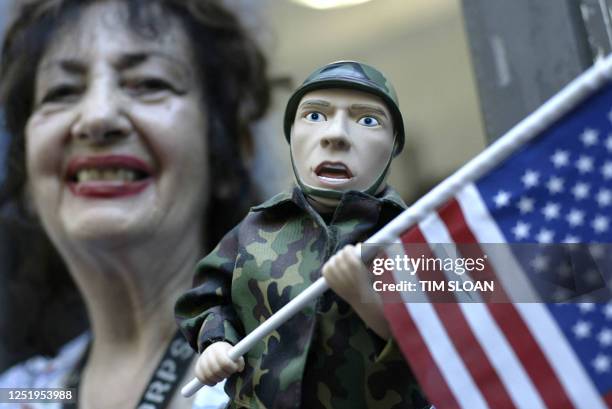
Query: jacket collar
[[388, 197]]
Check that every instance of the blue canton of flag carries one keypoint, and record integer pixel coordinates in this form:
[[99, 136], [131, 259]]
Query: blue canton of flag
[[558, 188]]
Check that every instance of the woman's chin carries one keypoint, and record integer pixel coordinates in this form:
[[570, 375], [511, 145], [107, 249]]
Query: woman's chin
[[112, 225], [90, 217]]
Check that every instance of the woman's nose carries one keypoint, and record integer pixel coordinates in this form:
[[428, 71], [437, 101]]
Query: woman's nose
[[102, 118], [336, 136]]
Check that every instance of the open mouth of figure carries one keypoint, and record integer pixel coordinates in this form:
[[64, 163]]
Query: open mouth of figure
[[108, 176], [333, 173]]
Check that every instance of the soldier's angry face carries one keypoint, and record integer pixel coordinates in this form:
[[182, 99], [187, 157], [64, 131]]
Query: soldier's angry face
[[341, 139]]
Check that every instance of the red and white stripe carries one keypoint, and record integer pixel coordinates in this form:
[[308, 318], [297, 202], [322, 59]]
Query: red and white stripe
[[479, 355]]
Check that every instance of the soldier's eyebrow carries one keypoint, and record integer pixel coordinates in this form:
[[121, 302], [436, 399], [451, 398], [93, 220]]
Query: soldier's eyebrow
[[368, 107], [315, 103]]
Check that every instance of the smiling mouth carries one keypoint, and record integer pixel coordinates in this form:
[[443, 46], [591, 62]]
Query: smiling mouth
[[333, 172], [107, 176]]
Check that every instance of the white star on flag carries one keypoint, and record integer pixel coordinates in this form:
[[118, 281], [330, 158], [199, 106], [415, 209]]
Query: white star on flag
[[604, 197], [521, 230], [608, 311], [582, 329], [581, 190], [526, 205], [605, 337], [606, 170], [600, 223], [555, 185], [530, 179], [545, 236], [560, 158], [609, 143], [584, 164], [585, 307], [589, 137], [551, 211], [575, 217], [540, 263], [601, 363], [502, 198], [570, 239]]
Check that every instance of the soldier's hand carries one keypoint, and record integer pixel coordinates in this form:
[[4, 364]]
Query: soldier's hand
[[349, 278], [346, 275], [214, 365]]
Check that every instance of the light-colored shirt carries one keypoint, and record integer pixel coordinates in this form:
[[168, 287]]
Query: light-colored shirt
[[45, 372]]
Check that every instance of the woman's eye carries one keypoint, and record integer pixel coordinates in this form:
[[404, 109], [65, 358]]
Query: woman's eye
[[315, 117], [148, 86], [368, 121], [61, 93]]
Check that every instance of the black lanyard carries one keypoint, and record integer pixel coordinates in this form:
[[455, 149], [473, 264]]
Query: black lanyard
[[160, 388]]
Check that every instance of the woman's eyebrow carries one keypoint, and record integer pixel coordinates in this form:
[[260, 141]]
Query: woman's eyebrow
[[126, 61], [368, 107], [131, 60], [123, 62], [70, 65]]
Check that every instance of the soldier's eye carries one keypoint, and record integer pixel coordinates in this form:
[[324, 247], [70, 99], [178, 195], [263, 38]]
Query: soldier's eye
[[368, 121], [315, 117]]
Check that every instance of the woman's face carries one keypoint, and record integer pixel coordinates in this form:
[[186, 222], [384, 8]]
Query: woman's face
[[115, 146]]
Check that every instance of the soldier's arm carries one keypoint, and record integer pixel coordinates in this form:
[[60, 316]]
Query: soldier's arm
[[205, 313], [347, 276]]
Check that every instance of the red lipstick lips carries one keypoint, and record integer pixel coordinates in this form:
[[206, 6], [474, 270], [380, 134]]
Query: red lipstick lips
[[108, 176]]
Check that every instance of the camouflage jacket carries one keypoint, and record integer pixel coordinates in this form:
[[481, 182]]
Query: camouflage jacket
[[324, 357]]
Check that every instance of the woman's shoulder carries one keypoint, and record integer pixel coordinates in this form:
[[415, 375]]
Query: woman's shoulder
[[52, 372], [46, 372]]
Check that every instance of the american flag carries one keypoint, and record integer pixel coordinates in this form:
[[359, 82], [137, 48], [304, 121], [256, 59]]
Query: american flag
[[556, 187]]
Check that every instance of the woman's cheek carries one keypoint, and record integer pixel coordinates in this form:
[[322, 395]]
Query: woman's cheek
[[46, 140], [181, 137]]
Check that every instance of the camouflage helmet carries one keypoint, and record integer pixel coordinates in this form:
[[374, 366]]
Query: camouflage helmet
[[351, 75]]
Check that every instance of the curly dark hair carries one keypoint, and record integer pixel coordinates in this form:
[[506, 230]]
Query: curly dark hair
[[236, 91]]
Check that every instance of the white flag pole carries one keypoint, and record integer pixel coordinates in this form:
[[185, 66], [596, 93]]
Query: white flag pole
[[569, 97]]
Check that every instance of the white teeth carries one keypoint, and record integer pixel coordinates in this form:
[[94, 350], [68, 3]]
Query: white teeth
[[120, 175], [128, 175], [336, 181]]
